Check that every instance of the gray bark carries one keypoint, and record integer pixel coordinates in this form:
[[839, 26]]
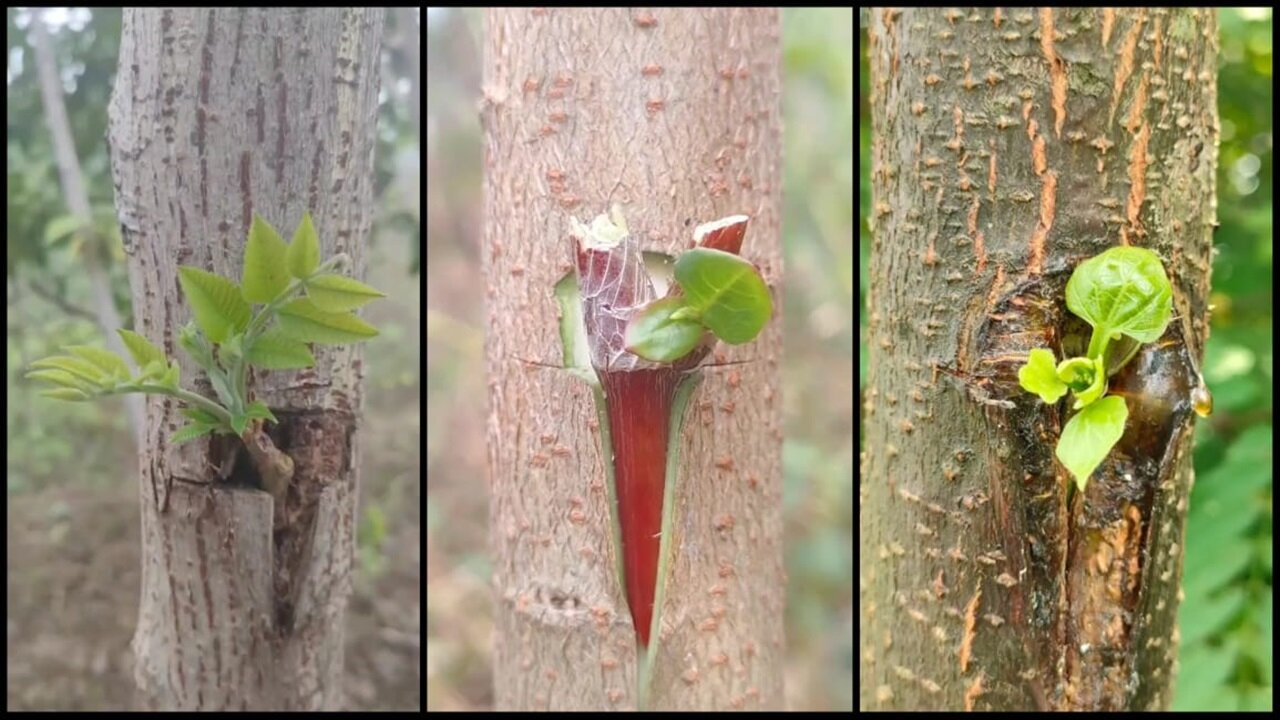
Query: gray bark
[[1010, 145], [218, 114]]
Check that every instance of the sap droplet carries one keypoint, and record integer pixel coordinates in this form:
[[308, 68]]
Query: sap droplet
[[1202, 400]]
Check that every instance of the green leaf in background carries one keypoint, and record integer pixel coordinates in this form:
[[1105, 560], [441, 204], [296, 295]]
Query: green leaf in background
[[1123, 290], [110, 363], [142, 350], [1039, 376], [731, 295], [265, 273], [1089, 435], [216, 302], [335, 293], [304, 252], [303, 321], [1202, 677], [654, 334], [273, 350], [60, 227]]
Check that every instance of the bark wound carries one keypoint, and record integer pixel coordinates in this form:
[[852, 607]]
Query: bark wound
[[1082, 571], [639, 395], [320, 444]]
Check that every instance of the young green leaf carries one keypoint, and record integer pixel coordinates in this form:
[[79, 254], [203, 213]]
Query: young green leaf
[[76, 366], [303, 321], [222, 387], [1097, 387], [63, 378], [196, 345], [191, 432], [731, 295], [687, 313], [304, 252], [1039, 376], [654, 334], [60, 227], [231, 349], [239, 421], [1077, 373], [154, 370], [200, 415], [65, 394], [1123, 290], [171, 376], [265, 272], [259, 409], [110, 363], [216, 302], [1089, 435], [1085, 378], [335, 293], [142, 350], [273, 350]]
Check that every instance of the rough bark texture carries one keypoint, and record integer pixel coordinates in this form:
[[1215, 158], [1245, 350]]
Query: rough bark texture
[[1009, 146], [216, 115], [674, 115]]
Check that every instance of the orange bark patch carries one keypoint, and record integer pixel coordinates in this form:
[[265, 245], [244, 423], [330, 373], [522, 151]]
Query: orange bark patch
[[1057, 70]]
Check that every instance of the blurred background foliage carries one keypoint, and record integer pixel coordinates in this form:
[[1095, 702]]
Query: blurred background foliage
[[817, 371], [1225, 658], [71, 470]]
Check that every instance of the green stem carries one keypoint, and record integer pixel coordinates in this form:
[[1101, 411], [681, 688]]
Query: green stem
[[239, 372], [186, 396], [1098, 342]]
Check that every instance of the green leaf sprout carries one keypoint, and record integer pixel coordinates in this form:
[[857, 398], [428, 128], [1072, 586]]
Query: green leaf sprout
[[1038, 376], [726, 291], [658, 335], [302, 301], [1124, 294], [1123, 291], [720, 292], [1090, 434]]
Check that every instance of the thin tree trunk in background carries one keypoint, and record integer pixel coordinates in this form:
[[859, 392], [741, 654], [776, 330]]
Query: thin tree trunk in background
[[673, 114], [410, 42], [218, 114], [1010, 145], [77, 198]]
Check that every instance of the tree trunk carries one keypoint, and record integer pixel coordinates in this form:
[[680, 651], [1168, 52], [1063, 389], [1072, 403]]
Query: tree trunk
[[218, 114], [1009, 146], [72, 179], [674, 115]]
